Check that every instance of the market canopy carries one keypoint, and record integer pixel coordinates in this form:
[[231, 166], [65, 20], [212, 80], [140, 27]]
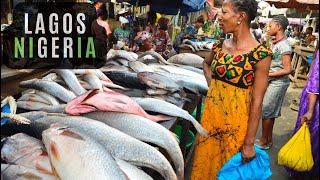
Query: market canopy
[[301, 5], [171, 7]]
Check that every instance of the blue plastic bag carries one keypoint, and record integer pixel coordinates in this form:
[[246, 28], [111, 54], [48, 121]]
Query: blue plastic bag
[[5, 109], [257, 169]]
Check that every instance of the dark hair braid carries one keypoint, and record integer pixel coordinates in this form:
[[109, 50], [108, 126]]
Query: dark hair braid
[[250, 7]]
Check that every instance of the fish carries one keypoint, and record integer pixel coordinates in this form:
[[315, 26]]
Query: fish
[[156, 80], [49, 87], [159, 106], [113, 62], [96, 72], [33, 97], [112, 85], [102, 76], [132, 171], [124, 62], [187, 59], [51, 77], [190, 68], [31, 105], [48, 97], [147, 59], [154, 54], [131, 92], [74, 155], [190, 83], [92, 79], [119, 144], [126, 79], [156, 91], [138, 66], [130, 56], [21, 149], [189, 46], [71, 80], [17, 172], [144, 130], [184, 72], [117, 68]]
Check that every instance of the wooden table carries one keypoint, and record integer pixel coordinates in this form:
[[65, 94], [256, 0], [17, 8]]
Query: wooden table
[[300, 64]]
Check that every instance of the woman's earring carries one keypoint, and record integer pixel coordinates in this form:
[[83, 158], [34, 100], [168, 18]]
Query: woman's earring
[[239, 23]]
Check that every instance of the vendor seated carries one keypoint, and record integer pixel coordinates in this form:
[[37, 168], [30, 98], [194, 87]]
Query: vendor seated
[[196, 29], [161, 37], [138, 41], [309, 38], [123, 35]]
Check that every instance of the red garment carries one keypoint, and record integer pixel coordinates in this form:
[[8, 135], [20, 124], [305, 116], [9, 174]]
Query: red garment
[[161, 39], [108, 101]]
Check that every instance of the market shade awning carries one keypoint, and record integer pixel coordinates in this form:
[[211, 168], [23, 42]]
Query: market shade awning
[[169, 7], [301, 5]]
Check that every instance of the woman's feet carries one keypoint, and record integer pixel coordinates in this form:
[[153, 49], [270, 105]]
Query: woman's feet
[[264, 145]]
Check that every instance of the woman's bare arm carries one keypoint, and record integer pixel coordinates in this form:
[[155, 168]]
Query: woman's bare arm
[[206, 68], [259, 87], [287, 69]]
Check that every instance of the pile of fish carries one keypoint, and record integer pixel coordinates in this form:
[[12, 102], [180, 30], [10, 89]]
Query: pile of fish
[[196, 46], [113, 144]]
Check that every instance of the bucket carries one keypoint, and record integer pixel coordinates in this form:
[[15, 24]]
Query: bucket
[[191, 136]]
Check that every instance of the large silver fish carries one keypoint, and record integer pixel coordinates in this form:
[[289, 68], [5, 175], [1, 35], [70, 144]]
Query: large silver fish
[[48, 97], [33, 97], [50, 87], [144, 130], [159, 106], [187, 59], [132, 171], [17, 172], [38, 106], [92, 79], [120, 145], [156, 80], [130, 56], [71, 80], [21, 149], [138, 66], [74, 155], [154, 54]]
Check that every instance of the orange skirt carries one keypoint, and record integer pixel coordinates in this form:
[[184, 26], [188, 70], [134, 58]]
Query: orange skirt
[[226, 118]]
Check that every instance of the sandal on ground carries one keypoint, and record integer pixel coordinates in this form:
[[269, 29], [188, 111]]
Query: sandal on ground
[[265, 147]]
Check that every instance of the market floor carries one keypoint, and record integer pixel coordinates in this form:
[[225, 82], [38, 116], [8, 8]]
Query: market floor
[[281, 134]]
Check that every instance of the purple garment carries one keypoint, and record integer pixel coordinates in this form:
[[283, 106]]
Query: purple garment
[[311, 87]]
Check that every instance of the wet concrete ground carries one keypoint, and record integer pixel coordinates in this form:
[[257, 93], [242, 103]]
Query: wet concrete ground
[[281, 134]]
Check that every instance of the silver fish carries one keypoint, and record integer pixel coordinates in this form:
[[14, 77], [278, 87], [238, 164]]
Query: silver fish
[[132, 171], [92, 79], [33, 97], [156, 55], [138, 66], [130, 56], [187, 59], [156, 91], [190, 68], [50, 87], [48, 97], [120, 145], [144, 130], [74, 155], [156, 80], [31, 105], [21, 149], [17, 172], [159, 106], [71, 80]]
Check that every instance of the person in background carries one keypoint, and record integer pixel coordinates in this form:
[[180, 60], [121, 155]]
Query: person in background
[[99, 5], [193, 30], [151, 22], [237, 74], [123, 35], [278, 79], [101, 32], [256, 31], [296, 32], [161, 38], [139, 39], [309, 113], [309, 38]]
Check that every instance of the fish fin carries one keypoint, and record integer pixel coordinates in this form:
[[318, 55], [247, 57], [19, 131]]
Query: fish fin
[[203, 132], [29, 175], [69, 133], [176, 137], [54, 150]]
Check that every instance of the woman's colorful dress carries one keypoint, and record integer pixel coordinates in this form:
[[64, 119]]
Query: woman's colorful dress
[[313, 88], [226, 111]]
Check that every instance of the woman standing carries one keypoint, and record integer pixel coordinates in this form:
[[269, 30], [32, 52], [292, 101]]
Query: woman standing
[[237, 73], [309, 112], [278, 79]]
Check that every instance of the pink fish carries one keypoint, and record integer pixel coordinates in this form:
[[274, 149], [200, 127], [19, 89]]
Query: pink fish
[[108, 101]]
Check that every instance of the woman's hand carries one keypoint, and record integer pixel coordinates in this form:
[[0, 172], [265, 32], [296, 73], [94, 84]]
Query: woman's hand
[[248, 153], [306, 117]]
